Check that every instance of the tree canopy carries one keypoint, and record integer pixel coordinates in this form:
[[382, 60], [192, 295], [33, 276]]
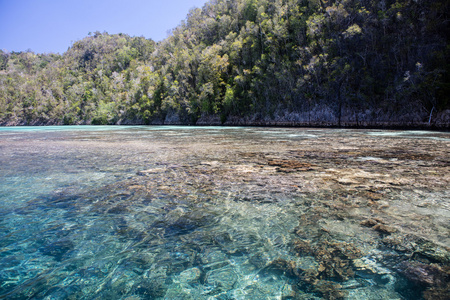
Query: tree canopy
[[297, 62]]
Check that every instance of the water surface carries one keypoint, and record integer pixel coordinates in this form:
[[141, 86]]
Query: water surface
[[223, 213]]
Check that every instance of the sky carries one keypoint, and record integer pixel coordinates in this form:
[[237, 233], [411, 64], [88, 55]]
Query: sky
[[51, 26]]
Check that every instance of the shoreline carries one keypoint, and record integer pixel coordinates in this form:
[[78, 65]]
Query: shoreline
[[286, 124]]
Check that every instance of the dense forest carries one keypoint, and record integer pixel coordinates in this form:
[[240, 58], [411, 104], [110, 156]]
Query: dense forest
[[248, 62]]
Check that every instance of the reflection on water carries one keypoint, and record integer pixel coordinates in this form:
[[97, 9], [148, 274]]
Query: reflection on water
[[223, 213]]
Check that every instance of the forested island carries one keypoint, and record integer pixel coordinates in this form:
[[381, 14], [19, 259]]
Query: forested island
[[349, 63]]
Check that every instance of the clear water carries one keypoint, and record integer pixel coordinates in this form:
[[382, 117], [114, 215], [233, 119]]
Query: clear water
[[223, 213]]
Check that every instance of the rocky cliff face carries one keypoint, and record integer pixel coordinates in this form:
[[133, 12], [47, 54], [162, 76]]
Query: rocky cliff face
[[324, 118]]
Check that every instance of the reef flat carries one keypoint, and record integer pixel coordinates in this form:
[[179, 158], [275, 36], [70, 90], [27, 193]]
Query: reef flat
[[225, 213]]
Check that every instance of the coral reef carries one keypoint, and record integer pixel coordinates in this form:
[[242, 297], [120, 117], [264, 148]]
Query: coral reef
[[225, 213]]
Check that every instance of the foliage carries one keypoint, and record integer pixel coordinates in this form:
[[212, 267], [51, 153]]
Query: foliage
[[312, 62]]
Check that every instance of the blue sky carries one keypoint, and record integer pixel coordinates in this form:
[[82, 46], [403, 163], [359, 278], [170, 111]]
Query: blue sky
[[46, 26]]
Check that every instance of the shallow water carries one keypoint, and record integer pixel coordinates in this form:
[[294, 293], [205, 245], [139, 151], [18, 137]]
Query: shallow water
[[223, 213]]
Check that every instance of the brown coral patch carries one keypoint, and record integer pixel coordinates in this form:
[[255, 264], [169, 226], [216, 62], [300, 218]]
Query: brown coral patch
[[384, 229], [336, 260], [302, 247], [288, 268], [287, 166]]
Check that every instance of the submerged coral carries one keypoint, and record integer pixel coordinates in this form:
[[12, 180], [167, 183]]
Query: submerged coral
[[225, 213]]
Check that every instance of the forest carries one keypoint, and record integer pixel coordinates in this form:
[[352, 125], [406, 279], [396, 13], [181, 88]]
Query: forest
[[347, 63]]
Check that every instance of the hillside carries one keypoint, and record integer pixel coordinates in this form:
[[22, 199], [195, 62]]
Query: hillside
[[249, 62]]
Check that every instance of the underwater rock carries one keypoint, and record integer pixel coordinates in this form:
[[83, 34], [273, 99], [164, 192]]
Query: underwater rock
[[384, 229], [57, 293], [223, 278], [243, 243], [150, 289], [308, 265], [139, 262], [433, 253], [133, 297], [330, 290], [396, 242], [434, 277], [370, 293], [263, 287], [58, 249], [437, 293], [288, 292], [190, 275], [222, 239], [369, 265], [10, 262], [368, 223], [382, 204], [126, 232], [119, 209], [424, 274], [180, 291], [260, 259], [184, 222], [213, 260]]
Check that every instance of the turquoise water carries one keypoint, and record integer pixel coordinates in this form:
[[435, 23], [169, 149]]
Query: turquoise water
[[136, 212]]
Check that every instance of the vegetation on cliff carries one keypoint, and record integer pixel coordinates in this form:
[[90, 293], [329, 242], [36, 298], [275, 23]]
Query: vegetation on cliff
[[306, 62]]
